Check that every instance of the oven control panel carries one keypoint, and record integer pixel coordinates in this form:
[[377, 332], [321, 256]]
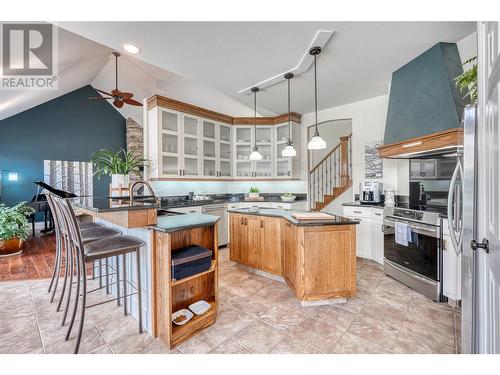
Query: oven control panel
[[407, 214]]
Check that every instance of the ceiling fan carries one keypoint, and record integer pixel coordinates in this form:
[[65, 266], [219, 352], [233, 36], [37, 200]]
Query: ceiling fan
[[118, 97]]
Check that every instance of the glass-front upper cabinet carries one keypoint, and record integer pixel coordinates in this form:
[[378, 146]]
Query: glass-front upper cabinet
[[286, 167], [245, 138], [170, 143], [224, 151], [190, 155]]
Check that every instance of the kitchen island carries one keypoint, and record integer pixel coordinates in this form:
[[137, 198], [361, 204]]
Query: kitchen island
[[317, 258], [161, 294]]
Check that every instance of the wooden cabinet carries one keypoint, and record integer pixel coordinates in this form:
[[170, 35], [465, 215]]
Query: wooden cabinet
[[291, 261], [271, 254], [256, 242], [238, 234]]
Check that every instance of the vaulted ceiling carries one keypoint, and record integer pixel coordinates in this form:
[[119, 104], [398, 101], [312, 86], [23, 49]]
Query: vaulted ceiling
[[356, 64]]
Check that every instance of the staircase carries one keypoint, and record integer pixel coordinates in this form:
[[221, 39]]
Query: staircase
[[332, 176]]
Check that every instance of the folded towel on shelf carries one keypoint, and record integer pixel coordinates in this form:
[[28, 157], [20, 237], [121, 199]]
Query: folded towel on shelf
[[401, 234]]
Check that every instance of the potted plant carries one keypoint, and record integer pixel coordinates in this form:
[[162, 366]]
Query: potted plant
[[119, 165], [288, 197], [14, 227], [467, 81], [253, 193]]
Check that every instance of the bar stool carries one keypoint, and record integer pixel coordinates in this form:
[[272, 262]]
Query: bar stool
[[59, 245], [91, 233], [97, 250]]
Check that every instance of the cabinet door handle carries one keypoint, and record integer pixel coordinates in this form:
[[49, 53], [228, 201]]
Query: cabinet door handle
[[262, 223], [246, 221], [357, 212], [180, 172], [242, 221]]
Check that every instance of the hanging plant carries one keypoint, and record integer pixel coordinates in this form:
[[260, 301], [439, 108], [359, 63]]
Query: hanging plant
[[467, 81]]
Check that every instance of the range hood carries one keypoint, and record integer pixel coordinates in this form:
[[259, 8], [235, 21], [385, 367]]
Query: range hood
[[425, 106]]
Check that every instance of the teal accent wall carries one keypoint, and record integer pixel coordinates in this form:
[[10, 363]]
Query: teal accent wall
[[70, 127], [424, 98]]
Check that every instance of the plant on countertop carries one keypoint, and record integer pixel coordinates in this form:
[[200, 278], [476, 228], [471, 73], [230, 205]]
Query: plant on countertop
[[14, 222], [254, 190], [467, 81], [123, 162], [288, 195]]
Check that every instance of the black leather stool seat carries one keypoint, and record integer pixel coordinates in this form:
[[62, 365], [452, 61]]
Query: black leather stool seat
[[94, 234], [113, 246]]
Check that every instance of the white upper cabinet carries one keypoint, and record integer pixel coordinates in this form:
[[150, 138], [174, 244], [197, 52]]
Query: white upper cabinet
[[286, 167], [186, 146]]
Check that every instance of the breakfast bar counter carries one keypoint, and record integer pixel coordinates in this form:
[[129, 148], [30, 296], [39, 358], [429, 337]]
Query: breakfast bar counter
[[163, 234]]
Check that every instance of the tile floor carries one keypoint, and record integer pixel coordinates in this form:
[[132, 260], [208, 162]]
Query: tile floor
[[256, 315]]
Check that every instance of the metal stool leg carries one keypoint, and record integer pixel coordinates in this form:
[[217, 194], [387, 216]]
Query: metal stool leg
[[125, 285], [118, 286], [66, 270], [108, 287], [82, 312], [79, 267], [56, 262], [70, 266], [57, 271], [139, 293], [100, 273]]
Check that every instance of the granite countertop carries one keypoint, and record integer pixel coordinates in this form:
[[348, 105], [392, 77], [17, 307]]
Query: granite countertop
[[106, 204], [287, 215], [183, 221], [359, 204]]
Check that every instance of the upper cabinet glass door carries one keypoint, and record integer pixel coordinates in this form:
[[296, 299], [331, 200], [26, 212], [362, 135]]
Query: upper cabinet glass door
[[170, 144], [190, 136]]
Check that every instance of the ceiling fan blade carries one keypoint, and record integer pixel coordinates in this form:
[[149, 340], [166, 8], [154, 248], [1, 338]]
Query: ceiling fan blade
[[126, 95], [99, 97], [118, 103], [104, 92], [132, 102]]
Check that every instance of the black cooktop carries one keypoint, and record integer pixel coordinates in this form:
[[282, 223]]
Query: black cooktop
[[440, 209]]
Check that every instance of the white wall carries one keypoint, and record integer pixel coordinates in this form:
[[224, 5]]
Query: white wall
[[330, 131], [368, 124]]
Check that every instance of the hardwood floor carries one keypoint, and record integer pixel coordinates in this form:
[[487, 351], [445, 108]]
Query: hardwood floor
[[35, 262]]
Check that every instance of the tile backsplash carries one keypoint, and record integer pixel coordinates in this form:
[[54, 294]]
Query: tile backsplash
[[163, 188]]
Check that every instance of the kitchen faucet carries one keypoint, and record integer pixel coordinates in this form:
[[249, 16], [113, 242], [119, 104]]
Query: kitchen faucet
[[131, 190]]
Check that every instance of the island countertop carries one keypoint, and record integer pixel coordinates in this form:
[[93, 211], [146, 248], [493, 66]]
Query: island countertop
[[180, 222], [111, 204], [287, 215]]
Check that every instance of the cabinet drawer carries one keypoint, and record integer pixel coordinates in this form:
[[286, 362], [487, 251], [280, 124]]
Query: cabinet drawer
[[283, 206], [357, 212], [377, 214]]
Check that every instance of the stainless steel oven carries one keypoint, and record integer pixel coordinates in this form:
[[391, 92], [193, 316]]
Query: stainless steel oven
[[415, 261]]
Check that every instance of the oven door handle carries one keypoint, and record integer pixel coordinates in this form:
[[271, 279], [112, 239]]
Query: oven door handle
[[391, 223]]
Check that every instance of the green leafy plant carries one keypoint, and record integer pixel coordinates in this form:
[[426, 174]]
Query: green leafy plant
[[254, 190], [467, 81], [122, 162], [13, 221]]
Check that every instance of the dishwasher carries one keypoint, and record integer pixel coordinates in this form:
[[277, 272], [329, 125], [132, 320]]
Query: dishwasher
[[223, 227]]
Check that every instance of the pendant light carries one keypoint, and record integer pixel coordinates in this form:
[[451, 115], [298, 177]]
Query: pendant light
[[289, 151], [316, 142], [255, 155]]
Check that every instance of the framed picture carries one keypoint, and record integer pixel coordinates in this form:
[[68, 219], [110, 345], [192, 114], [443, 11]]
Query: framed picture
[[373, 163]]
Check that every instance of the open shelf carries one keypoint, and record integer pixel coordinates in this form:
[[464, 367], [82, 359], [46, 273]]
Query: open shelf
[[180, 333], [186, 279]]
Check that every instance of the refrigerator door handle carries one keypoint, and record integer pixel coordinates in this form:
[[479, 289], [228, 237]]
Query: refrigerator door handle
[[454, 216]]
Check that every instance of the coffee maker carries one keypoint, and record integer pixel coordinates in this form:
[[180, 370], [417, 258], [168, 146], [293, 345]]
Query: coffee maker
[[370, 192]]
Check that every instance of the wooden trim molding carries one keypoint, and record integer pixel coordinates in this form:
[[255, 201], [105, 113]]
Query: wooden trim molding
[[435, 141], [176, 105]]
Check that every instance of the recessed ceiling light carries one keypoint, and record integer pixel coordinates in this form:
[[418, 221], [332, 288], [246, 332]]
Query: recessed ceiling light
[[130, 48]]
